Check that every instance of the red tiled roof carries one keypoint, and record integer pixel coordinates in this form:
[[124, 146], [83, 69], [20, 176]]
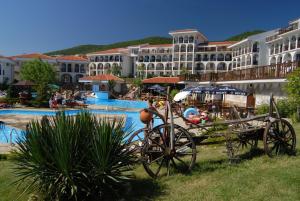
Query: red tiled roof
[[111, 51], [33, 56], [71, 58], [103, 77], [221, 42], [3, 57], [168, 80]]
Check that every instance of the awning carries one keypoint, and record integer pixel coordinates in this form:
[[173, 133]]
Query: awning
[[100, 78], [161, 80]]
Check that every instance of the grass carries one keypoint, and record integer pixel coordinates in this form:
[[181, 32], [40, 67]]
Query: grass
[[213, 178]]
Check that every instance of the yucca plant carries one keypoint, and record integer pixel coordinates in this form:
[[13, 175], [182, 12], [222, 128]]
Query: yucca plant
[[74, 157]]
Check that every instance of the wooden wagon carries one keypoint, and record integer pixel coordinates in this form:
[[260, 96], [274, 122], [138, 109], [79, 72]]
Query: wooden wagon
[[168, 147]]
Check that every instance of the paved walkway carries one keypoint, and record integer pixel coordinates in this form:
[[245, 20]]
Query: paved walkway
[[20, 121]]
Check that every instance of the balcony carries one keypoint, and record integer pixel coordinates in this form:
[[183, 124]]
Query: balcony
[[206, 49], [288, 29], [270, 38], [258, 73], [286, 48]]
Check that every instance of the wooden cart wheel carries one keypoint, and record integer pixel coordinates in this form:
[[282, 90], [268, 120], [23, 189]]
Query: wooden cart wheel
[[136, 140], [239, 142], [157, 157], [279, 138]]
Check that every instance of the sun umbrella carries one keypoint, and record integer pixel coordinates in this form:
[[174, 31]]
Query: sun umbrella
[[181, 95], [199, 89], [228, 90]]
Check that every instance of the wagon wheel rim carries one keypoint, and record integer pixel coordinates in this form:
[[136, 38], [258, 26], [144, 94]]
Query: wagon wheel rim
[[164, 161], [136, 140], [238, 143], [279, 138]]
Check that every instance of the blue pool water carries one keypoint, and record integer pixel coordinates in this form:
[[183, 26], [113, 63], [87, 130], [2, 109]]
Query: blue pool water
[[117, 103], [132, 121], [9, 134]]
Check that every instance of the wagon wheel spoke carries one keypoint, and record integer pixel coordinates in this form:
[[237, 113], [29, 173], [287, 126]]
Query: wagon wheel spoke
[[180, 160], [182, 146], [174, 164], [153, 141], [168, 167], [163, 137], [178, 137], [159, 167]]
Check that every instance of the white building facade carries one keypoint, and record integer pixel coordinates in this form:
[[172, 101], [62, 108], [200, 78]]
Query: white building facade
[[6, 70], [190, 52], [69, 68], [284, 44], [107, 61]]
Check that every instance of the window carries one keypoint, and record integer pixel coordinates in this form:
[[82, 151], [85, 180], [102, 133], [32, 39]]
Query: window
[[77, 68], [82, 69], [69, 68], [63, 67]]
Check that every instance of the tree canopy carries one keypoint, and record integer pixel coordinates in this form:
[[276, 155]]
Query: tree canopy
[[41, 74], [38, 72], [293, 86], [83, 49], [244, 35]]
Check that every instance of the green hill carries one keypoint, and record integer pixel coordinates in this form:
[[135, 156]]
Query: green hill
[[244, 35], [83, 49]]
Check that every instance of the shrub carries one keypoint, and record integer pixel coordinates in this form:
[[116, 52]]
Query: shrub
[[262, 109], [9, 101], [74, 157], [174, 92], [294, 117], [285, 108]]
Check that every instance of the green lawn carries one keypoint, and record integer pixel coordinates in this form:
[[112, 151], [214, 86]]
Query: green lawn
[[259, 178]]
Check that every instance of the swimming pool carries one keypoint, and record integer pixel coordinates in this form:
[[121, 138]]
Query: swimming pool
[[9, 134], [117, 103], [132, 118]]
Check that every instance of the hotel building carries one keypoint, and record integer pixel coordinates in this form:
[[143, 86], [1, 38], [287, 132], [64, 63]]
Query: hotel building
[[190, 51], [6, 69], [69, 68], [259, 62]]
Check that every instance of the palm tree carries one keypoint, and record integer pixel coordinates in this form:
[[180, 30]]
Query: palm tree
[[111, 85], [184, 70], [116, 70], [141, 70]]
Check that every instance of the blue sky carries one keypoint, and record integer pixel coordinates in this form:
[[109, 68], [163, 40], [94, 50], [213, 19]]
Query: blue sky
[[44, 25]]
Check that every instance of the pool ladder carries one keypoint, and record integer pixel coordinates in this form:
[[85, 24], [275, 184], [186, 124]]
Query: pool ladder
[[13, 130]]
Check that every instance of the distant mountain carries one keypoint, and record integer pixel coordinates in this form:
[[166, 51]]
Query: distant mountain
[[83, 49], [244, 35]]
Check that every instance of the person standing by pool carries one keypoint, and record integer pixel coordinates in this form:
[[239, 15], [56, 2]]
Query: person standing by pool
[[58, 98]]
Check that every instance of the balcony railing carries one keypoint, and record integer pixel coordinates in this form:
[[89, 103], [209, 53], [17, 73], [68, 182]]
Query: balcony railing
[[257, 73], [288, 29]]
